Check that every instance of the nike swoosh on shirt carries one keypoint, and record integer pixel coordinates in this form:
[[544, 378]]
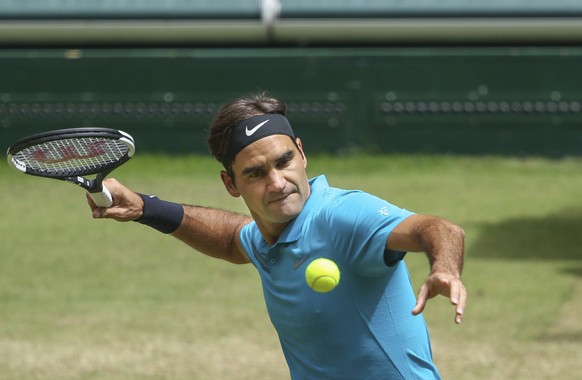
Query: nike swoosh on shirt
[[297, 264], [250, 132]]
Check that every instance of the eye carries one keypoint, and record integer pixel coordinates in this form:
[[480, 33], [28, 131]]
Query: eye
[[255, 173], [285, 160], [283, 163]]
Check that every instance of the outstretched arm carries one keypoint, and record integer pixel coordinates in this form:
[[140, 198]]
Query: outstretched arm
[[211, 231], [443, 243]]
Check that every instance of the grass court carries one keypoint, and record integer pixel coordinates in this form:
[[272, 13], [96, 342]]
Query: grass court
[[95, 299]]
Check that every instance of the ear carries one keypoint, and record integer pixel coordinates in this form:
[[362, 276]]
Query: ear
[[300, 146], [229, 184]]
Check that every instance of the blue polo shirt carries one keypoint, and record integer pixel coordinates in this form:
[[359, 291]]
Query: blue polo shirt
[[364, 328]]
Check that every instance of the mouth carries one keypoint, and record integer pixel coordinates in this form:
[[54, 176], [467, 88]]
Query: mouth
[[281, 198]]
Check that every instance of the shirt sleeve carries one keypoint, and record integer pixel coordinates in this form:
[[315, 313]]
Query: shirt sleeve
[[247, 235], [360, 224]]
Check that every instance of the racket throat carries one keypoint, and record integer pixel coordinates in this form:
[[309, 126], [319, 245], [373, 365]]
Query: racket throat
[[91, 185]]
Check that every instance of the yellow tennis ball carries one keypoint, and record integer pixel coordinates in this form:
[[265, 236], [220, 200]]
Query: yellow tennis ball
[[322, 275]]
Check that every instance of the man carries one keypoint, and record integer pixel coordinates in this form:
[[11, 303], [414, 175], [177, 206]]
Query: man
[[369, 326]]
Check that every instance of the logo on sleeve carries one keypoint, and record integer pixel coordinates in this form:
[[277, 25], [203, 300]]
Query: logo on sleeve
[[250, 132], [383, 211]]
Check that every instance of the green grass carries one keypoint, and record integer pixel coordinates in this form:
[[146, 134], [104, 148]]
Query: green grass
[[87, 299]]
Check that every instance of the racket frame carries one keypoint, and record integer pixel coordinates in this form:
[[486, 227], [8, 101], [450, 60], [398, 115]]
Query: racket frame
[[92, 185]]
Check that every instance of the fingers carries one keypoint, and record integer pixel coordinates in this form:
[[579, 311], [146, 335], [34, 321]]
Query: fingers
[[421, 300], [127, 205], [447, 286], [90, 201], [458, 299], [96, 212]]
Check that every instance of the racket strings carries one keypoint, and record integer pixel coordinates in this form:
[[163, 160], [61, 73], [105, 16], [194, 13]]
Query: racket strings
[[70, 156]]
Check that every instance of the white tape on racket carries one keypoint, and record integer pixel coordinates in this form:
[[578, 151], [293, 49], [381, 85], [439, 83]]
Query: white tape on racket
[[103, 198]]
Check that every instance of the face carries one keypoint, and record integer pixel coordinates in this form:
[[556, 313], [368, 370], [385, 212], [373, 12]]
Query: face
[[270, 176]]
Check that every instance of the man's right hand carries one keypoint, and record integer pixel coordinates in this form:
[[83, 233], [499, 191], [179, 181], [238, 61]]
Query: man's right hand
[[127, 205]]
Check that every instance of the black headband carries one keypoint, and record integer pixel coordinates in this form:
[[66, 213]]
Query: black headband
[[252, 129]]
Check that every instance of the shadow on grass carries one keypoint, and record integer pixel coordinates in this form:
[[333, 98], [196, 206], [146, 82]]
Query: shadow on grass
[[562, 337], [555, 238], [552, 237]]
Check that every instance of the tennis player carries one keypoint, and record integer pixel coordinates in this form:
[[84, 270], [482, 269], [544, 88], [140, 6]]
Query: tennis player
[[370, 326]]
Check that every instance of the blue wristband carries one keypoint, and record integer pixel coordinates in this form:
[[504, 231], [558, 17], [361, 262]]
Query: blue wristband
[[161, 215]]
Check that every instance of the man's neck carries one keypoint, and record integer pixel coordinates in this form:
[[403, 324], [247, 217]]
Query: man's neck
[[271, 232]]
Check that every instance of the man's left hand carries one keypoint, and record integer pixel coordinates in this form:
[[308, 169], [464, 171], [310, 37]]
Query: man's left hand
[[446, 285]]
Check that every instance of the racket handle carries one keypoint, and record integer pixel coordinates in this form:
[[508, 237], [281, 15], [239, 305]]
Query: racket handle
[[102, 198]]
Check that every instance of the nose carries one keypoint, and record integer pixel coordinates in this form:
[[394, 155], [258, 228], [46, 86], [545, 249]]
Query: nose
[[277, 181]]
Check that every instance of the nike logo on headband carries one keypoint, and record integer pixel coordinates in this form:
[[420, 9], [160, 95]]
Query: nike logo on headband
[[250, 132]]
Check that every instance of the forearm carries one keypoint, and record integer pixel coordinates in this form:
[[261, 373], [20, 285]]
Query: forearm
[[213, 232], [443, 243]]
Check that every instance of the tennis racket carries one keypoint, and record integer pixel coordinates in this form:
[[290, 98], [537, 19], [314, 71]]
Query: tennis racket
[[71, 154]]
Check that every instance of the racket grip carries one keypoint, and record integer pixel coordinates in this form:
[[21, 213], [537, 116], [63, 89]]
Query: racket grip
[[102, 198]]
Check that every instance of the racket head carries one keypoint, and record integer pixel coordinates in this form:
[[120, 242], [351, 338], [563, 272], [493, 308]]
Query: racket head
[[71, 152]]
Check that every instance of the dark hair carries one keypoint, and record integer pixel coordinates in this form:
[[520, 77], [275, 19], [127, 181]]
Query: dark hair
[[229, 115]]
